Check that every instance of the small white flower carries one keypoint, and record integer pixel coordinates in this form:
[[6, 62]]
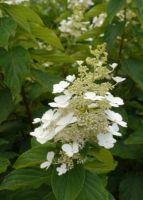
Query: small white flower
[[115, 117], [118, 79], [15, 1], [49, 116], [70, 149], [39, 134], [61, 101], [50, 157], [58, 88], [114, 130], [114, 101], [36, 120], [62, 169], [101, 35], [80, 62], [106, 140], [113, 65], [64, 121], [98, 21], [92, 96], [89, 39], [70, 78]]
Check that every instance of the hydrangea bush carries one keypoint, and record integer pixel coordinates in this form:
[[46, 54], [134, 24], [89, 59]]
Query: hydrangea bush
[[71, 93]]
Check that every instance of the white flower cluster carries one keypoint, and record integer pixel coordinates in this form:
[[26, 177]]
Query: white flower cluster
[[80, 114], [85, 3], [14, 1], [75, 25]]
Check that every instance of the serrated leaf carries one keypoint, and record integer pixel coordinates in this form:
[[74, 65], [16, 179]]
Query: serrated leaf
[[34, 156], [131, 187], [25, 178], [69, 185], [15, 63], [93, 188], [22, 15], [7, 28]]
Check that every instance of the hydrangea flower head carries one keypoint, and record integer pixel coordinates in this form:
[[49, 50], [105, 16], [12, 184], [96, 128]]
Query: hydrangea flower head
[[82, 113]]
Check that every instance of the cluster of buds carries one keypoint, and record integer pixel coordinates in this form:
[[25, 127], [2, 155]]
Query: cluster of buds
[[82, 112]]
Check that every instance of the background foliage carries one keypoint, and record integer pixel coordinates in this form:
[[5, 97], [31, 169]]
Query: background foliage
[[29, 40]]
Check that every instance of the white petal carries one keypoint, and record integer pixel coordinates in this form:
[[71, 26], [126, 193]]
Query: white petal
[[53, 104], [50, 156], [93, 96], [36, 120], [118, 79], [70, 78], [106, 140], [114, 65], [58, 88], [62, 169], [114, 101], [45, 165], [67, 148], [80, 62], [122, 123], [68, 119]]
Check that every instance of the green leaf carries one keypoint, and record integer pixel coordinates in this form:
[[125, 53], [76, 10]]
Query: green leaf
[[93, 188], [131, 187], [30, 194], [34, 156], [22, 15], [136, 137], [3, 141], [15, 63], [113, 7], [7, 28], [111, 33], [46, 35], [139, 9], [96, 10], [128, 151], [101, 161], [49, 197], [46, 79], [54, 57], [6, 105], [4, 163], [134, 69], [68, 186], [25, 178]]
